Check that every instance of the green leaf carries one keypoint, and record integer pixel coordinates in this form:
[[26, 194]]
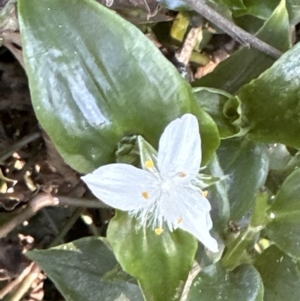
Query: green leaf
[[260, 9], [218, 197], [215, 103], [277, 176], [280, 275], [77, 269], [285, 213], [263, 9], [208, 131], [294, 11], [153, 258], [95, 78], [270, 104], [246, 64], [216, 283], [279, 156], [246, 164], [232, 4]]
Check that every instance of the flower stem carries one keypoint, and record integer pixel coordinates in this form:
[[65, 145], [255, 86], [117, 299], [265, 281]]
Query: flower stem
[[236, 250]]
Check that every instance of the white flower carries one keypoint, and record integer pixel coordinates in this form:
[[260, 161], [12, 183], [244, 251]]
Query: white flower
[[164, 192]]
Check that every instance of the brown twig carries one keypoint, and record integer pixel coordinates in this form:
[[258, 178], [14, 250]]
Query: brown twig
[[242, 36], [189, 44], [26, 283], [20, 279], [192, 275], [44, 200], [12, 284], [37, 203]]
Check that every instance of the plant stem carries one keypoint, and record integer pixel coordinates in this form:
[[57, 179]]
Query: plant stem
[[242, 36], [80, 202], [236, 250]]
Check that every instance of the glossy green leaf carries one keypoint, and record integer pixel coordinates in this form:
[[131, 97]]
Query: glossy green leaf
[[279, 156], [271, 103], [161, 263], [285, 214], [263, 9], [277, 176], [232, 4], [218, 197], [280, 275], [294, 11], [246, 165], [77, 269], [246, 64], [215, 103], [95, 78], [249, 23], [216, 283], [210, 138]]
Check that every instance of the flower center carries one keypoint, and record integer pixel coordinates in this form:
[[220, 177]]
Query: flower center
[[165, 186]]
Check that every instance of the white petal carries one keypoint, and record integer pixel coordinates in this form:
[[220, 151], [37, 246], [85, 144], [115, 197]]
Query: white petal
[[189, 210], [180, 148], [197, 227], [121, 186]]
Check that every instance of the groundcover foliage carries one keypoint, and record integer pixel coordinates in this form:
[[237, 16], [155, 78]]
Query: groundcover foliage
[[95, 79]]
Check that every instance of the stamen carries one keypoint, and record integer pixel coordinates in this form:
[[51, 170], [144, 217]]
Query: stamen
[[182, 174], [159, 231], [145, 194], [149, 164], [180, 220], [205, 193]]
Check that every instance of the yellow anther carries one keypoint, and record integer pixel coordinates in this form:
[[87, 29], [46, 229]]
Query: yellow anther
[[159, 231], [149, 164], [145, 194], [180, 220], [205, 193], [181, 174]]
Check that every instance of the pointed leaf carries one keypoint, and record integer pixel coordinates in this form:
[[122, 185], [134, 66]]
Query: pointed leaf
[[77, 269], [151, 258], [280, 275], [215, 103], [218, 197], [216, 283], [263, 9], [270, 104], [285, 214], [233, 4], [246, 166], [94, 78]]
